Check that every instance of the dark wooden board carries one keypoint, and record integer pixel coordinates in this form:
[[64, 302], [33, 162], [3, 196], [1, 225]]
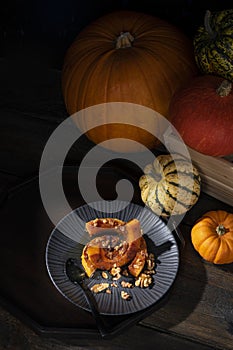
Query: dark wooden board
[[200, 306], [16, 335]]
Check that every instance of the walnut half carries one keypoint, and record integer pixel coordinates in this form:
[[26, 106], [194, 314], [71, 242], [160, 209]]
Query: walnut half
[[125, 295], [143, 280], [99, 287]]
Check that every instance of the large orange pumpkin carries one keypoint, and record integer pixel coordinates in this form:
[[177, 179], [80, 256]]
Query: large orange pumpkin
[[126, 57]]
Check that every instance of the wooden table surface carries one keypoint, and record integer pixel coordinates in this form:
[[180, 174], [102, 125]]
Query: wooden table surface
[[198, 312]]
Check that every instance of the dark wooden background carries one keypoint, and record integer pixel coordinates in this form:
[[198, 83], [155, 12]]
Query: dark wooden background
[[44, 29], [34, 36]]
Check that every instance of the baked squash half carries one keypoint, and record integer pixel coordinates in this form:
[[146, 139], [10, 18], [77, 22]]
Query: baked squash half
[[114, 243]]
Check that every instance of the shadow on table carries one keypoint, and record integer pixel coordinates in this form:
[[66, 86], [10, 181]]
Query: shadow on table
[[184, 295], [225, 267]]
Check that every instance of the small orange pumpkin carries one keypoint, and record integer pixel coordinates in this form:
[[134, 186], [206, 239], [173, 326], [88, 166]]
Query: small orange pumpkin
[[212, 237]]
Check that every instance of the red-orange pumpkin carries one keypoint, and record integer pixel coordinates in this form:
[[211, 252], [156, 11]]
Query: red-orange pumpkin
[[202, 113], [126, 57]]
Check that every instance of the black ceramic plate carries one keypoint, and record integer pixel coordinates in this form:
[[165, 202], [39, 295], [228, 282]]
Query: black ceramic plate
[[69, 237]]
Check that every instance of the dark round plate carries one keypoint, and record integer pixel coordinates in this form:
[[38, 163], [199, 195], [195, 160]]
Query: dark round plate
[[69, 236]]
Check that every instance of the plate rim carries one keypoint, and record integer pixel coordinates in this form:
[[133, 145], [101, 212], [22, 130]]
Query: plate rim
[[91, 204]]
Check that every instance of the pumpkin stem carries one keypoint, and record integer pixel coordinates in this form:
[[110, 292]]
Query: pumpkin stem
[[124, 40], [224, 89], [221, 230], [208, 28]]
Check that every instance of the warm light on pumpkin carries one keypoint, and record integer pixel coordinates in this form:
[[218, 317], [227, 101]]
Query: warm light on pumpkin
[[202, 112], [212, 237], [126, 57]]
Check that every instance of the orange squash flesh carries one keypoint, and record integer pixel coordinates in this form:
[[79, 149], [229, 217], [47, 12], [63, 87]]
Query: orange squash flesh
[[138, 263], [102, 224], [105, 251]]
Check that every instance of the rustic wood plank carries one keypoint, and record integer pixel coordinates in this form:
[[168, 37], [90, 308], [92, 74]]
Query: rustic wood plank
[[217, 189], [16, 335], [200, 304], [216, 174]]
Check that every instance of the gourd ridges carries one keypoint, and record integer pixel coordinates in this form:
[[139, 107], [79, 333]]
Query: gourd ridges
[[186, 206], [191, 175], [164, 211], [184, 188]]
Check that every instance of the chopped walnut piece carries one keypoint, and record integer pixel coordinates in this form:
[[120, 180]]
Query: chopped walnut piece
[[143, 280], [104, 275], [151, 256], [115, 271], [95, 222], [125, 295], [150, 264], [126, 284], [150, 261], [149, 272], [99, 287], [116, 277], [114, 284], [139, 262], [136, 266]]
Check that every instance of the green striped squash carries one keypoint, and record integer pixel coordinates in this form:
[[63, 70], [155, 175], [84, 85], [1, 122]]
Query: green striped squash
[[171, 185], [213, 44]]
